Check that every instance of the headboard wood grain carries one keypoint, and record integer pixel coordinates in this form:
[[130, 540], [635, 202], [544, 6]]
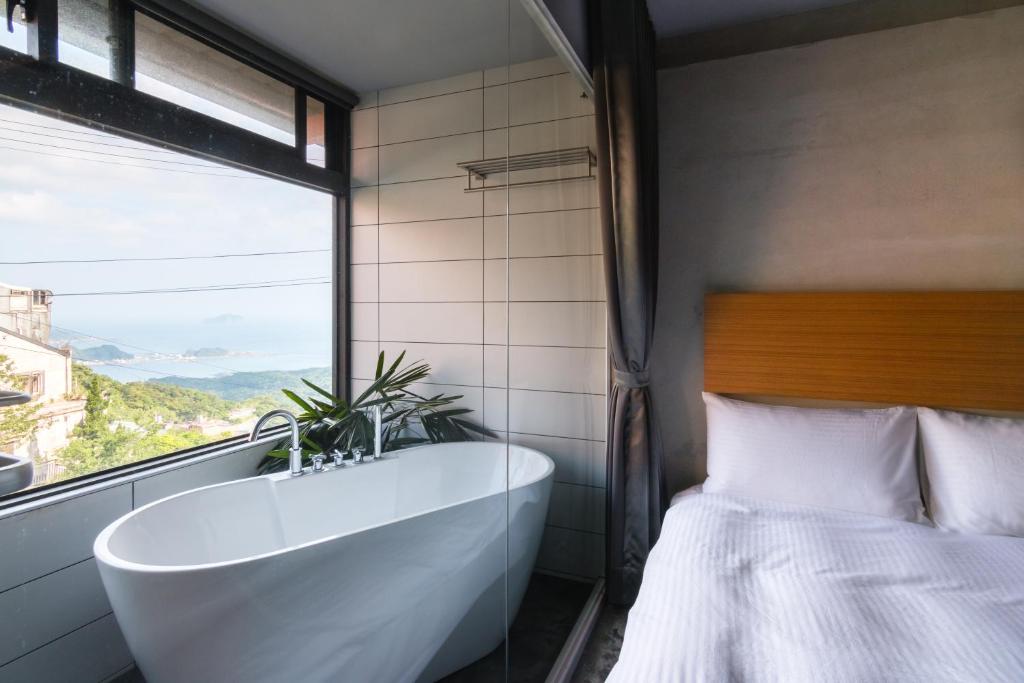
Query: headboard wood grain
[[940, 349]]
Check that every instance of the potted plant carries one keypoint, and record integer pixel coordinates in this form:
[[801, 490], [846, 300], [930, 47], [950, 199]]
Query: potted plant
[[330, 423]]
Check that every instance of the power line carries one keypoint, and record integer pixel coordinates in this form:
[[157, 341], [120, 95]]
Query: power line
[[104, 136], [263, 284], [165, 258], [106, 154], [88, 142], [118, 163], [184, 290]]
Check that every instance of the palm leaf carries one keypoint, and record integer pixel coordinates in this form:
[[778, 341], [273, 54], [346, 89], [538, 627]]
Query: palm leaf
[[298, 400], [409, 418]]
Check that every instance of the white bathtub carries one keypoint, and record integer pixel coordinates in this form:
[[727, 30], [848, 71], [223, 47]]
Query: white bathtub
[[387, 571]]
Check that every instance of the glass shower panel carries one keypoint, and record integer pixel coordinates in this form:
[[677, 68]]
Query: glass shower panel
[[554, 351], [424, 251]]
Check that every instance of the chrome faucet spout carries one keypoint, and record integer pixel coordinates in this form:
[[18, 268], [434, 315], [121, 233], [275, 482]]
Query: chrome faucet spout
[[378, 433], [295, 450], [375, 416]]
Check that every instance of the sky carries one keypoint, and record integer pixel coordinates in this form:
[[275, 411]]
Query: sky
[[152, 203]]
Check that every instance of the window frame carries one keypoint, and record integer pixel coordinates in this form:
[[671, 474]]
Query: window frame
[[33, 383], [38, 82]]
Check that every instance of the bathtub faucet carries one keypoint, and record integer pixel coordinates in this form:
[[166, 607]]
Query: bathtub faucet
[[378, 435], [295, 451]]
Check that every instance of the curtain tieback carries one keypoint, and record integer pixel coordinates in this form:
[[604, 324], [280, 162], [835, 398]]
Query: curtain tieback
[[631, 380]]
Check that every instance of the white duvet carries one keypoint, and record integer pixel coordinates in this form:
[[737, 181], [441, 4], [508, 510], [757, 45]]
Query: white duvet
[[745, 590]]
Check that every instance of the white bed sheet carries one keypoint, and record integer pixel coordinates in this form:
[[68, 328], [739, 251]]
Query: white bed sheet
[[743, 590]]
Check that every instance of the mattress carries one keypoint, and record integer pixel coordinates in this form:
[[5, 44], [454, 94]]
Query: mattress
[[743, 590]]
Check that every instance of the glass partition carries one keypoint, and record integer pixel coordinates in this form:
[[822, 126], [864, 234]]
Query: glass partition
[[554, 349], [426, 272], [477, 248]]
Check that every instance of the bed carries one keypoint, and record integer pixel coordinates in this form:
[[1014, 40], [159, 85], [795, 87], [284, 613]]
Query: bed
[[749, 588], [739, 589]]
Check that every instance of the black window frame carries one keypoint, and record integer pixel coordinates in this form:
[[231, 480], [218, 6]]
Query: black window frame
[[38, 82]]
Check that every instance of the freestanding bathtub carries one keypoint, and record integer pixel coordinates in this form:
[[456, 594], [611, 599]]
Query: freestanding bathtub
[[385, 571]]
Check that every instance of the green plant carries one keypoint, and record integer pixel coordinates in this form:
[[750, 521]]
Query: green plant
[[330, 423], [17, 423]]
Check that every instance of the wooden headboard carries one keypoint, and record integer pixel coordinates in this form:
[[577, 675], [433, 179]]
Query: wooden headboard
[[941, 349]]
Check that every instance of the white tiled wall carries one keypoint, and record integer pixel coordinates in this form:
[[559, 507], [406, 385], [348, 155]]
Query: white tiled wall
[[429, 273], [55, 622]]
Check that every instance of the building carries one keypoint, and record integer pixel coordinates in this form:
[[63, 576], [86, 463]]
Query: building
[[46, 373], [26, 311]]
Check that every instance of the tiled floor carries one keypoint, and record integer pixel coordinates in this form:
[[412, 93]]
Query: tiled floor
[[602, 650], [545, 618]]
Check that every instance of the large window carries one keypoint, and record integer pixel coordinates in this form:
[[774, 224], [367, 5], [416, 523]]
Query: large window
[[149, 301], [154, 300]]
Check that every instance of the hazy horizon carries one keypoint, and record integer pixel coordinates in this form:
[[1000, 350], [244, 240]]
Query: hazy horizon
[[70, 192]]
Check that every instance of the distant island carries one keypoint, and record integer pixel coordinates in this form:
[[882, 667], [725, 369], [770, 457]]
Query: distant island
[[207, 352], [223, 318], [240, 386], [104, 352]]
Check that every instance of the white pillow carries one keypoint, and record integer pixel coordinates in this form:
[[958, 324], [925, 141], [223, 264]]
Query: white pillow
[[975, 467], [854, 460]]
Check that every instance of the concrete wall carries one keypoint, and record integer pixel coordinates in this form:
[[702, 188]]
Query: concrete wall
[[889, 160], [58, 414], [429, 273], [30, 357]]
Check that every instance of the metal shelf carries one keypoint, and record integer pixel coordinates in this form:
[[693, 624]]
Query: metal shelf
[[482, 168]]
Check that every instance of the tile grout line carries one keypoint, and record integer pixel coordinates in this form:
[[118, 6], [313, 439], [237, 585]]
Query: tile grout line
[[486, 301], [576, 483], [472, 343], [483, 254], [472, 218], [486, 215], [483, 86], [549, 525], [485, 130], [554, 436], [484, 387], [473, 260], [377, 112], [43, 576], [54, 640]]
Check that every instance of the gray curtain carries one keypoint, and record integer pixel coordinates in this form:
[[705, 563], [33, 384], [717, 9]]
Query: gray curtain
[[627, 150]]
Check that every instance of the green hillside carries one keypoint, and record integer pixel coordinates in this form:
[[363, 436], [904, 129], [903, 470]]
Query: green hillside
[[240, 386], [130, 421]]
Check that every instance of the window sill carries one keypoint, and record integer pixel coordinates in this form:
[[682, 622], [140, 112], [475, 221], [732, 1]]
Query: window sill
[[31, 499]]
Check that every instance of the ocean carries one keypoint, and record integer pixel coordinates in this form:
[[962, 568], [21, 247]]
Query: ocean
[[160, 347]]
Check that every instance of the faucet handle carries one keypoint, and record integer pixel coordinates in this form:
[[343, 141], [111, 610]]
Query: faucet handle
[[318, 462], [338, 458]]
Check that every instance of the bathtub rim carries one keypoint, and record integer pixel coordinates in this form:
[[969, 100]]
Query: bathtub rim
[[105, 556]]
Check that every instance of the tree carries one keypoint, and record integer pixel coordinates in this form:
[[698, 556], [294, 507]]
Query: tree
[[17, 423], [128, 422]]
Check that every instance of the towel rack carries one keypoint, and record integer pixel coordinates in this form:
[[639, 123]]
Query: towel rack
[[482, 168]]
